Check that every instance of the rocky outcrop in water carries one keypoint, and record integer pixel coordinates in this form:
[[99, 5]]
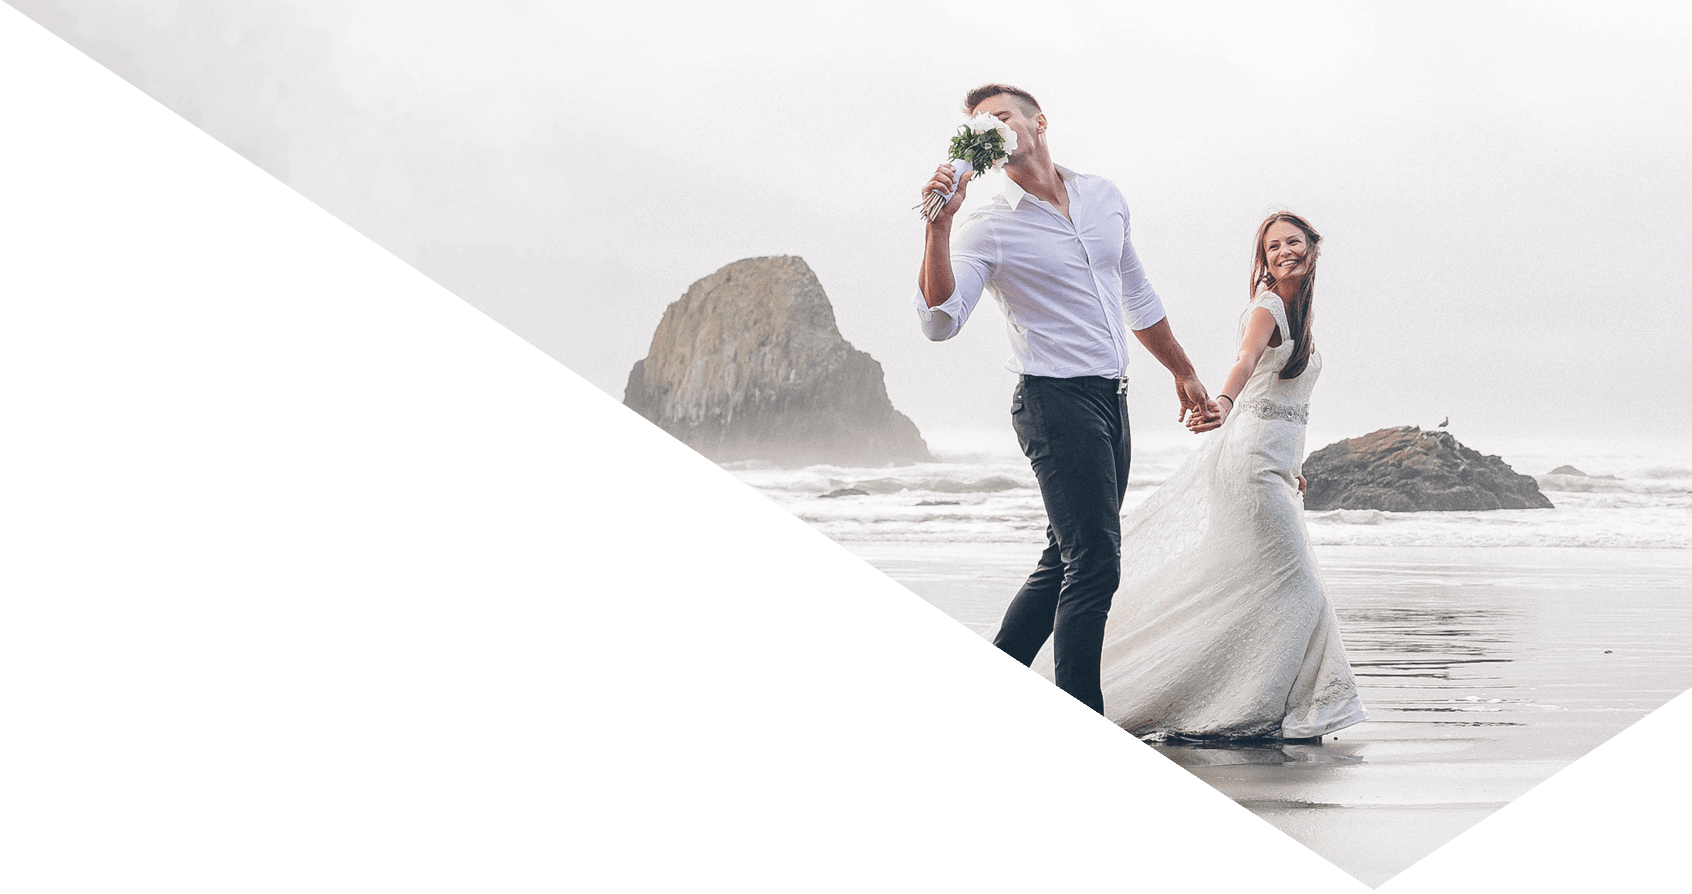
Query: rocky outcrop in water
[[749, 364], [1406, 469], [1569, 478]]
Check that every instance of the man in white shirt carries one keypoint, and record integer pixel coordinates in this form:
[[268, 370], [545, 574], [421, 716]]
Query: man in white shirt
[[1054, 249]]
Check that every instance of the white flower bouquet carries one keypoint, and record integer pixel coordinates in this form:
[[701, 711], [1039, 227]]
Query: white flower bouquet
[[982, 144]]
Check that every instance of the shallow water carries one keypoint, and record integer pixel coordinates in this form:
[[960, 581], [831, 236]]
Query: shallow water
[[1484, 671], [1491, 649]]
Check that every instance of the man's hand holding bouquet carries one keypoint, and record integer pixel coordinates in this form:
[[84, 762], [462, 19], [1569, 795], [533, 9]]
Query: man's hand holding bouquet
[[982, 144]]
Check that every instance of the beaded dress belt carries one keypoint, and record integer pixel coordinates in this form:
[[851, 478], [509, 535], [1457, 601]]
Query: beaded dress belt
[[1264, 408]]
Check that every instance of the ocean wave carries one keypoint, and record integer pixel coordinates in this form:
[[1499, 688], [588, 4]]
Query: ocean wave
[[1664, 484], [998, 502], [944, 485], [1349, 516], [1591, 525]]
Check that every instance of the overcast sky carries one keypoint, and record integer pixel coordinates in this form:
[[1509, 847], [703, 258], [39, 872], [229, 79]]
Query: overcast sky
[[1503, 191]]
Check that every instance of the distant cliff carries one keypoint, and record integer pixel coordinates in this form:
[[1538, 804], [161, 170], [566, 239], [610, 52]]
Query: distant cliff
[[1406, 469], [749, 364]]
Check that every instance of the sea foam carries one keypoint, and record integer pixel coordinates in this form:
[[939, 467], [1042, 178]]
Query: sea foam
[[1638, 502]]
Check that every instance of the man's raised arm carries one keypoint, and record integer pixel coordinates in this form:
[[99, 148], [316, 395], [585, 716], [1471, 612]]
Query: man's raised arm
[[942, 306], [935, 279]]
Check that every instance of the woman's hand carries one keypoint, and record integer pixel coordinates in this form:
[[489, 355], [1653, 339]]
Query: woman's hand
[[1198, 411], [1301, 485], [1210, 421], [1217, 414]]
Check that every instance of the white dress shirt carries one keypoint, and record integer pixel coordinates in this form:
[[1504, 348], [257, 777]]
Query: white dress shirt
[[1065, 283]]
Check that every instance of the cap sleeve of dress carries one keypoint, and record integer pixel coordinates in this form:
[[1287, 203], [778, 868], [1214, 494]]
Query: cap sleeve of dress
[[1272, 303]]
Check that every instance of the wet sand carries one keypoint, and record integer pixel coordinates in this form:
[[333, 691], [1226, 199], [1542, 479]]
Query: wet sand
[[1484, 670]]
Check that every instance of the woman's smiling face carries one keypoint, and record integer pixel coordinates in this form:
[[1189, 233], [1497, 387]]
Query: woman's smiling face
[[1285, 251]]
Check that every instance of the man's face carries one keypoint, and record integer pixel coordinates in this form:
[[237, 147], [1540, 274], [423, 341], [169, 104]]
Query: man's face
[[1009, 109]]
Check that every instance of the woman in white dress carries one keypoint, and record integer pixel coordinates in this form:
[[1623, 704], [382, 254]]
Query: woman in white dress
[[1221, 628]]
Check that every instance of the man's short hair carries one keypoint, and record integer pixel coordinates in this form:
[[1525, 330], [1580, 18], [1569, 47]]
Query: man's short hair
[[973, 98]]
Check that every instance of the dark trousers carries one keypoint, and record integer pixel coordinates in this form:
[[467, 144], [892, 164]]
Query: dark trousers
[[1075, 433]]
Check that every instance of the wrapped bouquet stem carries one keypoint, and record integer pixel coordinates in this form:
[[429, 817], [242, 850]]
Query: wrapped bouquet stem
[[981, 144]]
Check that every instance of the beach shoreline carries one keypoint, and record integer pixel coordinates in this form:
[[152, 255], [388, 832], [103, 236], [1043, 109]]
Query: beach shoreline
[[1484, 669]]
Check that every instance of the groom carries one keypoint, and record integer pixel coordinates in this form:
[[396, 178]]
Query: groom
[[1053, 247]]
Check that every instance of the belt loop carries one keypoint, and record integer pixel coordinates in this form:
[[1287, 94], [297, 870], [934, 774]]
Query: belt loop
[[1123, 388]]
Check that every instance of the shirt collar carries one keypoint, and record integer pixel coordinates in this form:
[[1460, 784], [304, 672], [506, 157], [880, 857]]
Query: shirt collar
[[1013, 193]]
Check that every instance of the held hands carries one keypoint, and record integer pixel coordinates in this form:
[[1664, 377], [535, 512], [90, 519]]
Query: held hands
[[1219, 412], [1220, 408], [1198, 412], [944, 179]]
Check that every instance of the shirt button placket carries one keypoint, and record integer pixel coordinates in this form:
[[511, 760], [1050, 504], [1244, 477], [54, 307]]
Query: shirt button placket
[[1111, 321]]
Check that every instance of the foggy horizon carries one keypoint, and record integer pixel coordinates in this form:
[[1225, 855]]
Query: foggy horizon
[[1502, 191]]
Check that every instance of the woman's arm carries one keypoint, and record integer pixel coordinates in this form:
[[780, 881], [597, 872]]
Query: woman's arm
[[1260, 327]]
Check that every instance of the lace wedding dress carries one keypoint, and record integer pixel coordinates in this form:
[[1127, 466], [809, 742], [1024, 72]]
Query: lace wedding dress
[[1220, 628]]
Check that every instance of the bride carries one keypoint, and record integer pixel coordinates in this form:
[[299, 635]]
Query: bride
[[1221, 628]]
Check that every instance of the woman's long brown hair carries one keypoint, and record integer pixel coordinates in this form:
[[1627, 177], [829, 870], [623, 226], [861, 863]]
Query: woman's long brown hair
[[1299, 311]]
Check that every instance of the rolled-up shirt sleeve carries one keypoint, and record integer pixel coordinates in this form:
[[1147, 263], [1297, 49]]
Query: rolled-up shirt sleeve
[[972, 267], [1140, 304]]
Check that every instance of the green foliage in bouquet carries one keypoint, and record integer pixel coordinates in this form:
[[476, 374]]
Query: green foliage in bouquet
[[981, 150]]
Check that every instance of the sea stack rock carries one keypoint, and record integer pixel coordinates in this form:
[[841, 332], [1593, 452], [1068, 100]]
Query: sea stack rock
[[749, 364], [1570, 478], [1406, 469]]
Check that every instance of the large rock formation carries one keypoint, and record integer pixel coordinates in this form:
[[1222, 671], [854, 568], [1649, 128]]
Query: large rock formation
[[749, 364], [1406, 469]]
